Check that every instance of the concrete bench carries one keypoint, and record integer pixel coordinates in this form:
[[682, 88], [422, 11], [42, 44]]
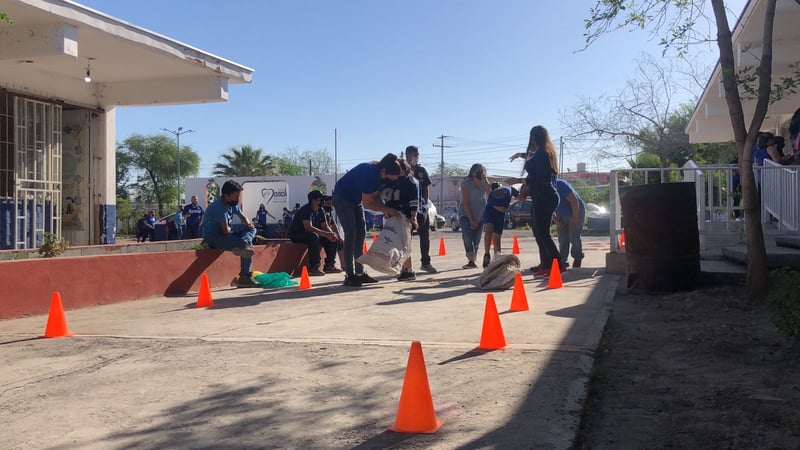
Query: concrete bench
[[114, 275]]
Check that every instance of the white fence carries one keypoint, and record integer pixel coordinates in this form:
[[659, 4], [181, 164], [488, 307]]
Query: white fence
[[719, 213]]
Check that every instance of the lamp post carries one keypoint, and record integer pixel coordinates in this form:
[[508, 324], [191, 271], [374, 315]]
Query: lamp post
[[177, 133]]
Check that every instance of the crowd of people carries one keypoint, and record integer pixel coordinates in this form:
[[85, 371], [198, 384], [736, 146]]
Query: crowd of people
[[398, 187]]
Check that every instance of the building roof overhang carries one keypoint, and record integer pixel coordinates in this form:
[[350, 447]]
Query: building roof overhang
[[51, 44], [710, 121]]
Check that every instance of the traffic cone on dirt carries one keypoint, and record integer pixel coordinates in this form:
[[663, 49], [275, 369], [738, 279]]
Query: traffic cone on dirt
[[415, 412], [56, 320], [365, 248], [442, 250], [519, 299], [515, 246], [492, 336], [305, 282], [204, 299], [374, 238], [555, 276]]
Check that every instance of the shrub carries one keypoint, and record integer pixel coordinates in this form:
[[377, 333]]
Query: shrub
[[785, 302], [52, 245]]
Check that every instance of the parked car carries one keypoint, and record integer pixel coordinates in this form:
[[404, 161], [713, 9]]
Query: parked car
[[518, 214], [597, 217], [436, 220]]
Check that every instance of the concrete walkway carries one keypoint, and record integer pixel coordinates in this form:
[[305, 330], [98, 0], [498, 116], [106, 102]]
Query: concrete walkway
[[310, 369]]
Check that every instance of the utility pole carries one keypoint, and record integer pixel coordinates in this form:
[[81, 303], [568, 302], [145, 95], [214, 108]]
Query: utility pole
[[441, 167], [335, 157], [561, 155], [178, 134]]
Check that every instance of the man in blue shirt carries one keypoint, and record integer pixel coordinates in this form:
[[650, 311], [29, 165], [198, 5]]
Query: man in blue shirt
[[569, 217], [178, 223], [194, 218], [310, 227], [219, 234], [146, 227]]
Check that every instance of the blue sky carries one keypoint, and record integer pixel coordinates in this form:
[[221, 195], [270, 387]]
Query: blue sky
[[386, 75]]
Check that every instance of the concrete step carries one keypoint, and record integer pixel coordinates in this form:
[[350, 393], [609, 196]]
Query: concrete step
[[776, 256], [788, 241], [716, 272]]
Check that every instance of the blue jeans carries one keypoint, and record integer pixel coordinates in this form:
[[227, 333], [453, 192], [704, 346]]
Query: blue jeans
[[471, 238], [239, 234], [570, 236], [351, 216], [542, 207]]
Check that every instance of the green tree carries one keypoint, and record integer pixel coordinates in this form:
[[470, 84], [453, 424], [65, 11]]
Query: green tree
[[153, 161], [245, 161], [286, 167], [451, 170], [680, 20], [314, 162], [125, 214]]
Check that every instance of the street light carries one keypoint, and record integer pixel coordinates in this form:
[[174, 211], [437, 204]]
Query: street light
[[178, 134], [309, 164]]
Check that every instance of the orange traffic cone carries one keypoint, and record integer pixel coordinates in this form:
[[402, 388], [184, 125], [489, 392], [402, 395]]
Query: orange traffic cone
[[374, 238], [442, 250], [305, 282], [515, 246], [555, 276], [622, 239], [204, 299], [519, 299], [492, 336], [415, 412], [56, 320], [365, 248]]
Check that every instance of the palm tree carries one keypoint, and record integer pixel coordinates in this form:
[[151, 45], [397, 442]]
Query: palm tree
[[245, 162]]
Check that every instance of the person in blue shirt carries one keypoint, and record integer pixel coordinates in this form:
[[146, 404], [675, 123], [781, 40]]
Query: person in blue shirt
[[310, 227], [494, 217], [404, 195], [287, 218], [541, 167], [178, 223], [146, 227], [220, 234], [570, 215], [193, 213], [358, 189], [261, 219]]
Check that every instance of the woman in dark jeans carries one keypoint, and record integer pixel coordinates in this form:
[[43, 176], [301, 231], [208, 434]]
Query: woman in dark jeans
[[542, 168]]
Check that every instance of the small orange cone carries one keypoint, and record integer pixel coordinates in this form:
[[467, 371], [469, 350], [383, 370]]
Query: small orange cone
[[515, 247], [415, 412], [365, 248], [204, 299], [555, 276], [442, 250], [519, 299], [492, 336], [56, 320], [622, 239], [374, 238], [305, 282]]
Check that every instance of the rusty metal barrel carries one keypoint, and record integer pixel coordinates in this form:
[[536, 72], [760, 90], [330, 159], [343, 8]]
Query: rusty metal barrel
[[662, 241]]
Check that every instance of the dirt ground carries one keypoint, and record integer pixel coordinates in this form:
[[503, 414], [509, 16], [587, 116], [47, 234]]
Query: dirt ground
[[692, 370]]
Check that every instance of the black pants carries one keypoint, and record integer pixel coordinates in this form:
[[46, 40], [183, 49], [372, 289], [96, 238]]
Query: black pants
[[424, 232], [314, 243], [192, 232], [542, 207]]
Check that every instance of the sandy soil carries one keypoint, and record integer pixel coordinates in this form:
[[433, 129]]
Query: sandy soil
[[692, 370]]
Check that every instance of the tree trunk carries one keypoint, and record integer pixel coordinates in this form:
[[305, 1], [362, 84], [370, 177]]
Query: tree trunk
[[757, 274]]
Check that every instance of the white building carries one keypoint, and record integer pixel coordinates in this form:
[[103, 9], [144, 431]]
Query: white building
[[64, 68]]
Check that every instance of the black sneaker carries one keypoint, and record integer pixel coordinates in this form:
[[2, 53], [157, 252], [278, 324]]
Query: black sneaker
[[352, 281], [486, 260], [407, 276], [331, 269], [577, 262], [428, 268], [366, 279], [246, 282], [243, 251], [470, 265]]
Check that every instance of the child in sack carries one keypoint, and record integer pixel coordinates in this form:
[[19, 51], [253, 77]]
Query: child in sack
[[403, 195]]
